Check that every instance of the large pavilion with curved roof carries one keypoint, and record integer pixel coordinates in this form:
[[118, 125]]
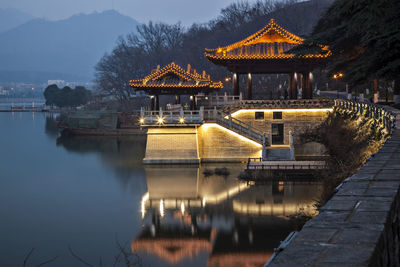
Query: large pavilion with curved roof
[[268, 52]]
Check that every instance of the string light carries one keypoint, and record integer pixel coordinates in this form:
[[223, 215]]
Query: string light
[[265, 35], [194, 79]]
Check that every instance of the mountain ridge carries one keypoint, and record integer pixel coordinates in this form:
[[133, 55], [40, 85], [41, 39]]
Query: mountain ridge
[[71, 46]]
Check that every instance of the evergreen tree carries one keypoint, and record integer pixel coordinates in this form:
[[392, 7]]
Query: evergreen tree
[[364, 37]]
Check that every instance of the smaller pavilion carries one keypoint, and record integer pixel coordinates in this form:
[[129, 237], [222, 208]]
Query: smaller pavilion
[[266, 52], [174, 80]]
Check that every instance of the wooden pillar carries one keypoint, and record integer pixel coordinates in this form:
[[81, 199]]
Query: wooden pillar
[[376, 86], [293, 78], [192, 103], [157, 100], [310, 85], [249, 89], [235, 83], [152, 102], [294, 85], [306, 85]]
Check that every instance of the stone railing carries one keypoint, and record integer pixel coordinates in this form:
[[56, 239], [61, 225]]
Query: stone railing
[[279, 104], [238, 126], [178, 117], [360, 224], [217, 100], [382, 116]]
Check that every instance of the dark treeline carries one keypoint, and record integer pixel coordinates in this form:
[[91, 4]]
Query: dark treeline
[[66, 97], [364, 37], [135, 55]]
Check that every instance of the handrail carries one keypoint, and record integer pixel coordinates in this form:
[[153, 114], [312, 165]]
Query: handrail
[[236, 125], [185, 117], [385, 118]]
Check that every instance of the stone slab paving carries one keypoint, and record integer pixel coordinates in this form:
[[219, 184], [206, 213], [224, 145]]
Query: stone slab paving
[[360, 224]]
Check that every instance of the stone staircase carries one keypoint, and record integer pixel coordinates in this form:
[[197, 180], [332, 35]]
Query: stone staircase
[[237, 126], [279, 154]]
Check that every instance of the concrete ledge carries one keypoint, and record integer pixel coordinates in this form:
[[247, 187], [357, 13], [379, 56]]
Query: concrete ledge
[[171, 161], [223, 160]]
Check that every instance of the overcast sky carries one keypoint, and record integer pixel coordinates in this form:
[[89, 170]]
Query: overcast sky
[[170, 11]]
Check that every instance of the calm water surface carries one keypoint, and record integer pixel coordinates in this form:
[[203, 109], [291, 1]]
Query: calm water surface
[[87, 192]]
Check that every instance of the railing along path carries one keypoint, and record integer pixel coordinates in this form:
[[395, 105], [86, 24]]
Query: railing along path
[[379, 114], [197, 117]]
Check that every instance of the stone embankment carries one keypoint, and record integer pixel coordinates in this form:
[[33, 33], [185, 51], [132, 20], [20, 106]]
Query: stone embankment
[[360, 224]]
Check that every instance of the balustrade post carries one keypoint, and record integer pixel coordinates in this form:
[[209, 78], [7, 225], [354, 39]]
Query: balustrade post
[[225, 99], [141, 112], [215, 113], [264, 148], [291, 144], [269, 139], [161, 112], [240, 96], [202, 113]]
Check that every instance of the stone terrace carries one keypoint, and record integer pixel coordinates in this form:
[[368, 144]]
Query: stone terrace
[[360, 224]]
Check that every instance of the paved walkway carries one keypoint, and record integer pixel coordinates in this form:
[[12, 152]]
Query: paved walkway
[[360, 224]]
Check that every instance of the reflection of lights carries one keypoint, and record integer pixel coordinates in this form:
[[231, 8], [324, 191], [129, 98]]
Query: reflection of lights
[[143, 203], [181, 120], [284, 209], [160, 120], [226, 194], [162, 208], [281, 186], [208, 125], [227, 79], [282, 110], [204, 202], [141, 120], [182, 208]]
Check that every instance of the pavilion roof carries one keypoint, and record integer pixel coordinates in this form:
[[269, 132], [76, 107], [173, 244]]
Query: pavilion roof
[[174, 77], [271, 42]]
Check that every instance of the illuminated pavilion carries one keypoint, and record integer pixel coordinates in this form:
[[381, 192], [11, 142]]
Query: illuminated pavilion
[[174, 80], [265, 52]]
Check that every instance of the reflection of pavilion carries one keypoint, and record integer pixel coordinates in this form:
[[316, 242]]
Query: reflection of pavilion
[[239, 224], [173, 245]]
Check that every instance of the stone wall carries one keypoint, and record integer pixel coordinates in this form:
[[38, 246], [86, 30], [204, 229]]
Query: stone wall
[[296, 121], [360, 224], [218, 144], [207, 143], [171, 145]]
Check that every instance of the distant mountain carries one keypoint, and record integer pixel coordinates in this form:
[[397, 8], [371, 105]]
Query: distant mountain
[[71, 47], [11, 18]]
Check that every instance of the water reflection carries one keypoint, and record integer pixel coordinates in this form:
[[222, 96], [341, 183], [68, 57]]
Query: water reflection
[[192, 216], [236, 223]]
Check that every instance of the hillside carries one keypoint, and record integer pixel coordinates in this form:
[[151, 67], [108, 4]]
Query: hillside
[[11, 18], [69, 47]]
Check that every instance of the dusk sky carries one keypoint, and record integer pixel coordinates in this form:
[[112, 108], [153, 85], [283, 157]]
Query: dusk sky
[[170, 11]]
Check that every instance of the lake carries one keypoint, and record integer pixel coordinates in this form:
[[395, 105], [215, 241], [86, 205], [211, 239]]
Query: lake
[[91, 199]]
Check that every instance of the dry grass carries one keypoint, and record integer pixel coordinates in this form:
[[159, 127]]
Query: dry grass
[[350, 140]]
